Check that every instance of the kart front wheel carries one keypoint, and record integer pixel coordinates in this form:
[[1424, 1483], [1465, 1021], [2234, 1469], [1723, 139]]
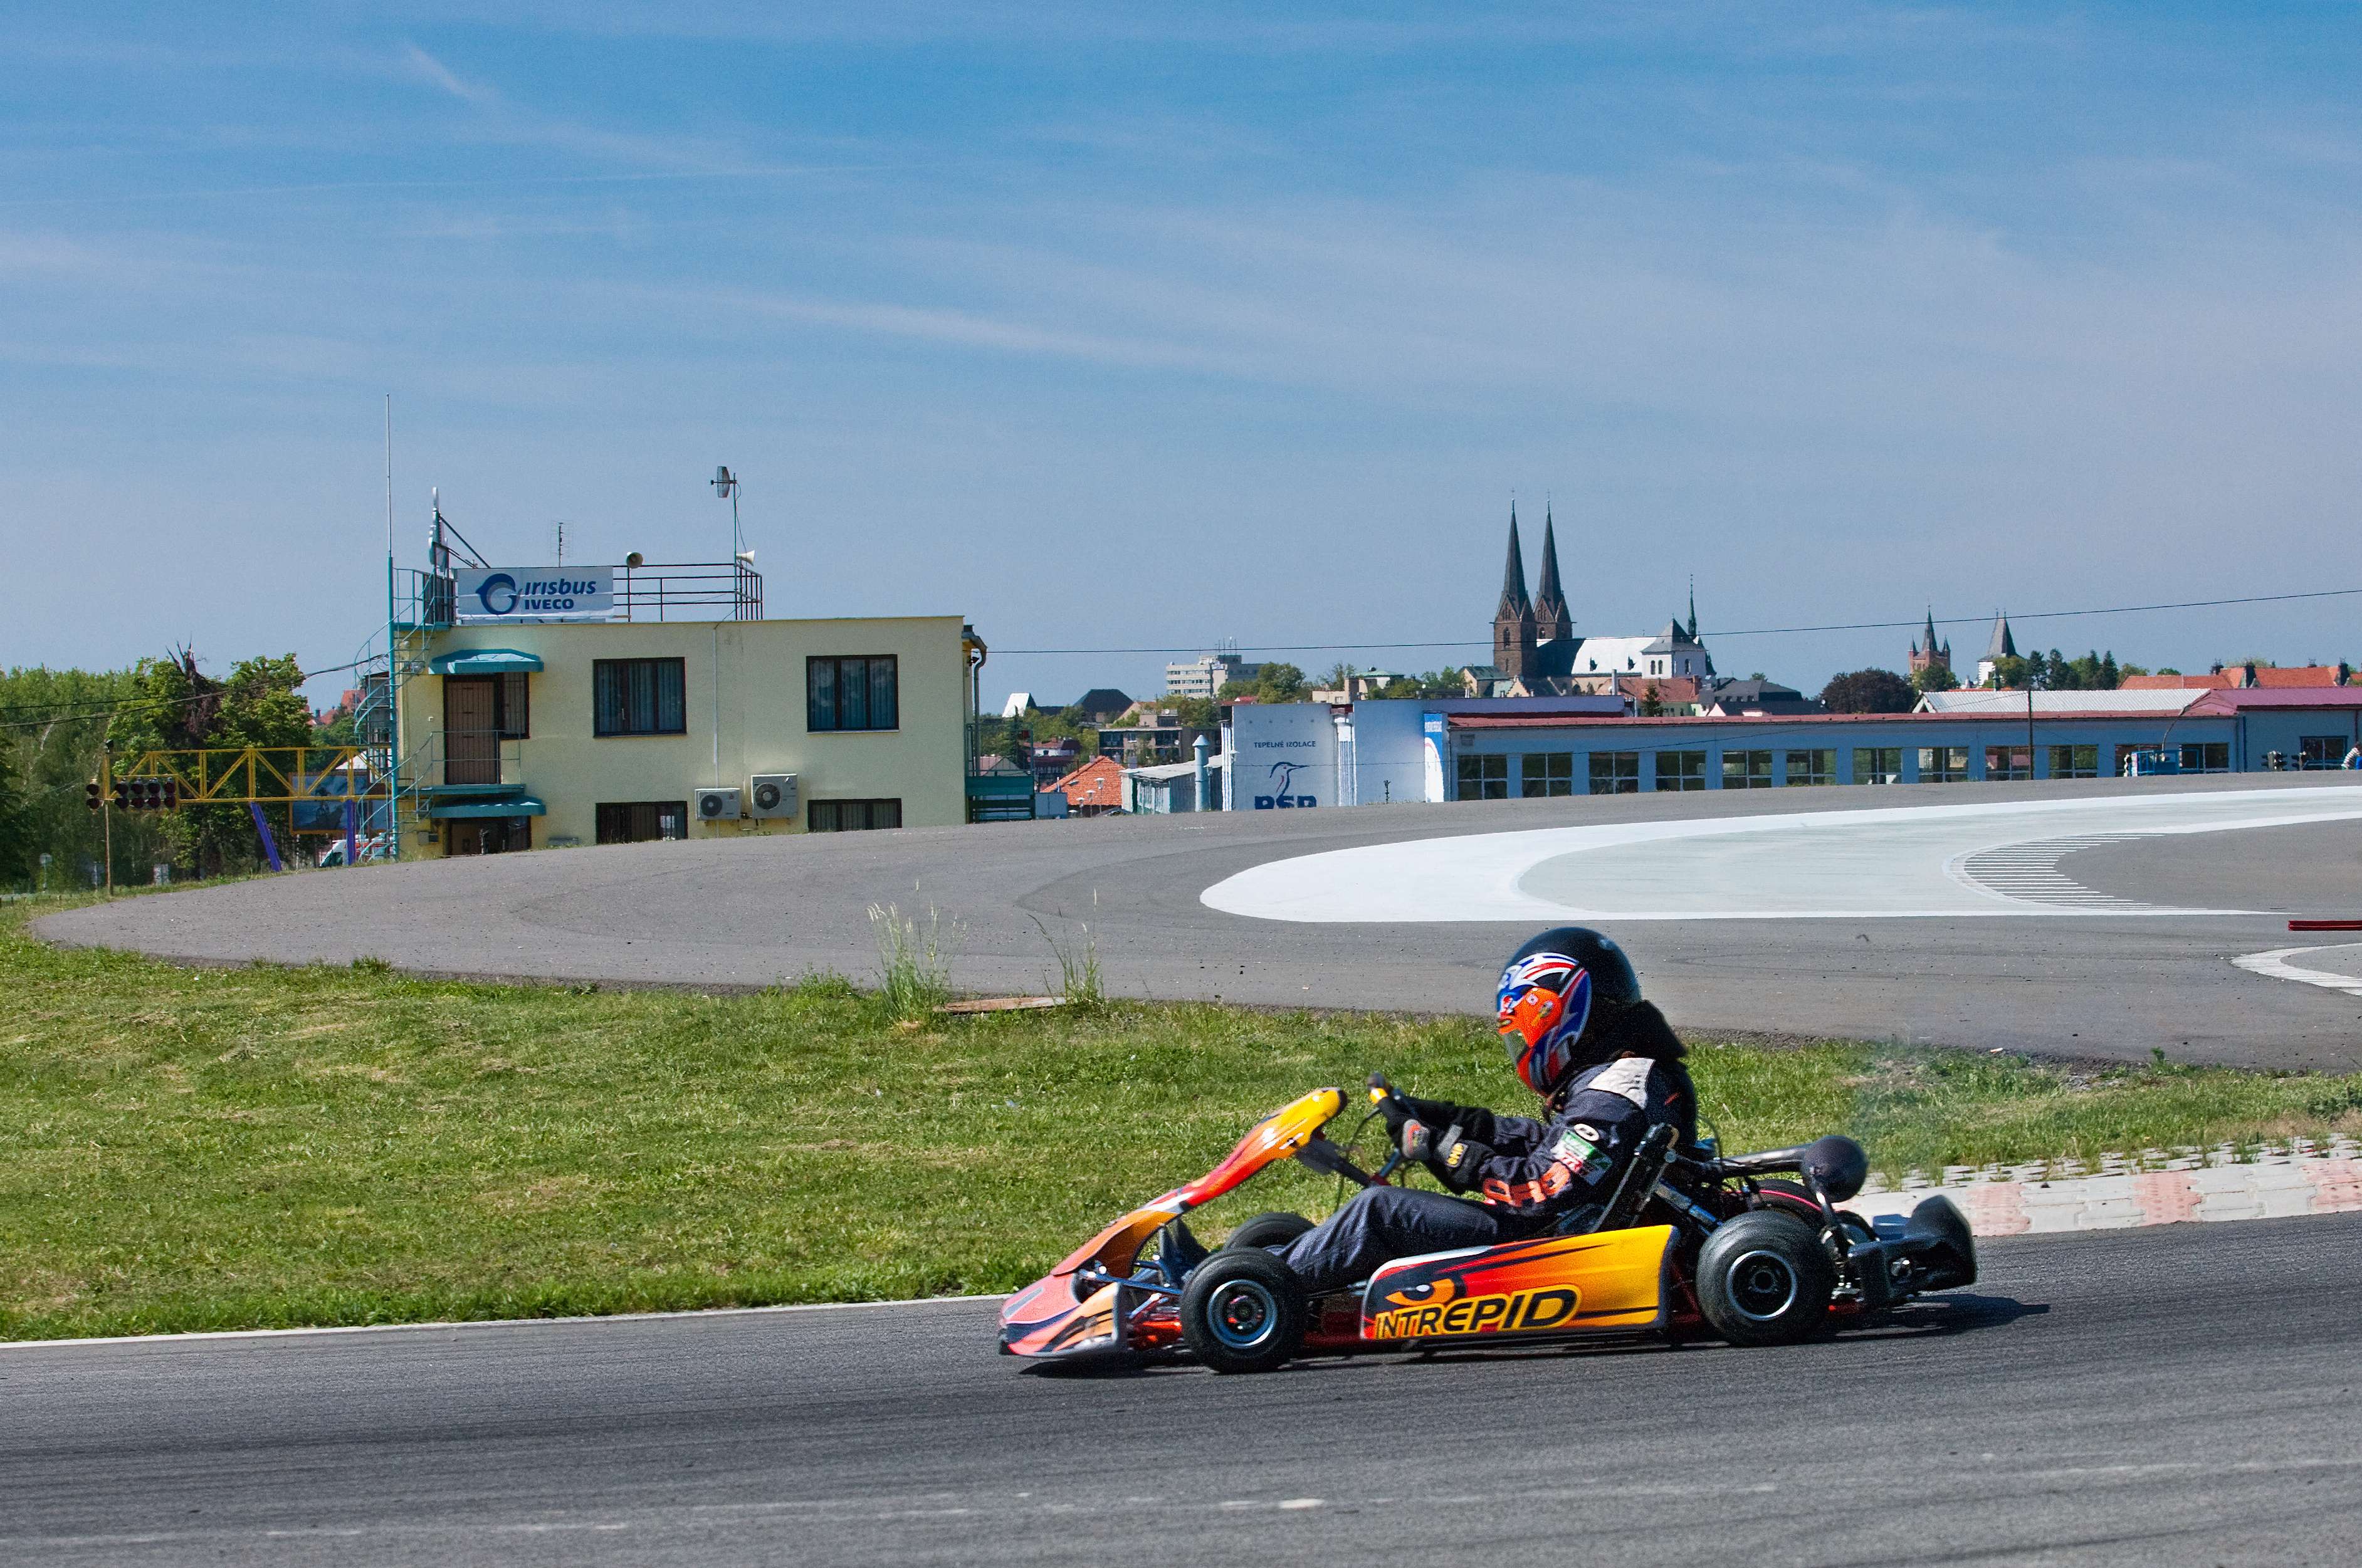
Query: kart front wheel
[[1275, 1229], [1763, 1278], [1243, 1312]]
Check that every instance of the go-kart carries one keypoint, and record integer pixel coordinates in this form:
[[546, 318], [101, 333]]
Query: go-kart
[[1689, 1244]]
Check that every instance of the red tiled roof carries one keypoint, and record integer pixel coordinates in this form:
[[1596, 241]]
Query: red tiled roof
[[2299, 675], [1098, 782], [2179, 682], [2304, 675]]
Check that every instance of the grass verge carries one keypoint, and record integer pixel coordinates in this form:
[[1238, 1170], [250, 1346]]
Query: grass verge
[[270, 1146]]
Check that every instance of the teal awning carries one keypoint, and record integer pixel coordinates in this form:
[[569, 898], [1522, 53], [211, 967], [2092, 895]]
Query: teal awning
[[521, 806], [484, 661]]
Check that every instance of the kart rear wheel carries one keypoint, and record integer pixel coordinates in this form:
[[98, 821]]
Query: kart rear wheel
[[1243, 1312], [1764, 1279], [1275, 1229]]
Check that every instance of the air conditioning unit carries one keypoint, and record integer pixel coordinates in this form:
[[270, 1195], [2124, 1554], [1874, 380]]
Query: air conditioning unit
[[772, 795], [717, 805]]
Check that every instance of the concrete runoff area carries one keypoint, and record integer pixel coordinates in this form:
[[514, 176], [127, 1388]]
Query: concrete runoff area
[[2115, 935], [2165, 1397]]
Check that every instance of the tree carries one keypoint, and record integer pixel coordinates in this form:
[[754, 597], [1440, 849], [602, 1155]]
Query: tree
[[175, 706], [1652, 702], [1434, 683], [1869, 692], [2013, 672], [57, 721], [1195, 713], [1934, 677], [1280, 683], [1339, 674], [17, 852]]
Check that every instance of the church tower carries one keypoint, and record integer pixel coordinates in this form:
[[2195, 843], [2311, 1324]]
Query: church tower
[[1513, 623], [1929, 653], [1551, 621]]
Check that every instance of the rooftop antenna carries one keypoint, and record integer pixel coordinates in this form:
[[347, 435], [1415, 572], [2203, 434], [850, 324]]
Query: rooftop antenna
[[560, 525], [725, 488]]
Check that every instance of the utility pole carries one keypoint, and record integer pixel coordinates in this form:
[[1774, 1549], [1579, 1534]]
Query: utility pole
[[107, 812]]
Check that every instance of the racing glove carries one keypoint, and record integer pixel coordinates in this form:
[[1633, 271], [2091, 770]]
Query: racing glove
[[1402, 1110], [1454, 1158]]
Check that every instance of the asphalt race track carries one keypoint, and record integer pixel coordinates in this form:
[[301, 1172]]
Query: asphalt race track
[[2097, 919], [2184, 1396]]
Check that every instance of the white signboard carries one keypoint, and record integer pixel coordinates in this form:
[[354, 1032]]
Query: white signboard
[[485, 595], [1284, 756]]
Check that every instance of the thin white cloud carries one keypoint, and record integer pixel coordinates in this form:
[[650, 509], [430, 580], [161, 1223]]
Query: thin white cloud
[[428, 68]]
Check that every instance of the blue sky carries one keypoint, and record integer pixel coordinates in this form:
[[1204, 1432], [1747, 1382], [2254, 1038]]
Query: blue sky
[[1116, 326]]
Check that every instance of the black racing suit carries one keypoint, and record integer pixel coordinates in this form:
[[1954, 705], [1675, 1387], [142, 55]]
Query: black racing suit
[[1527, 1176]]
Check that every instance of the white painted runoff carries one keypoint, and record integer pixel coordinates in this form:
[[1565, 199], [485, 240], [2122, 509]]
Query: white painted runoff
[[2332, 968], [1883, 863]]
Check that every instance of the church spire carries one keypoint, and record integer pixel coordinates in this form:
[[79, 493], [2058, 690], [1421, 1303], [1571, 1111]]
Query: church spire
[[1513, 624], [1693, 636], [1551, 619], [1513, 576]]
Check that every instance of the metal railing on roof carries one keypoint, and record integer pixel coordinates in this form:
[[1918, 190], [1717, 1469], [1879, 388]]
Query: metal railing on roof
[[689, 591]]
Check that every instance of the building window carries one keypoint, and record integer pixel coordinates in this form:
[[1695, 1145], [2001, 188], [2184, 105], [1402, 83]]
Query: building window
[[1878, 765], [1681, 770], [1747, 770], [1615, 772], [855, 816], [1484, 778], [1943, 763], [1546, 773], [2321, 751], [2074, 762], [639, 697], [853, 694], [1811, 767], [512, 708], [2206, 756], [639, 822], [2003, 763]]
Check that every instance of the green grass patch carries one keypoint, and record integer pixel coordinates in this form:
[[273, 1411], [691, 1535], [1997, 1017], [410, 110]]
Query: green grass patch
[[272, 1146]]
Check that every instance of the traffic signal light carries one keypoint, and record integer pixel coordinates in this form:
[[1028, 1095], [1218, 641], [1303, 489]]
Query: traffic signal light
[[91, 796], [142, 794]]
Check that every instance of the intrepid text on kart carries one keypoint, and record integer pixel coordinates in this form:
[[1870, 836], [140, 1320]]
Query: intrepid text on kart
[[1607, 1216]]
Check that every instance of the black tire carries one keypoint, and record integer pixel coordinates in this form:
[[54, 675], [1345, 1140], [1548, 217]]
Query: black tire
[[1764, 1279], [1275, 1229], [1243, 1312]]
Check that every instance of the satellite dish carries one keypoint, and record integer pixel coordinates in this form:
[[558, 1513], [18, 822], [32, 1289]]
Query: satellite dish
[[722, 482], [632, 559]]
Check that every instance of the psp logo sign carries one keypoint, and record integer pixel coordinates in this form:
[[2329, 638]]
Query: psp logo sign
[[1283, 776], [525, 593], [497, 593]]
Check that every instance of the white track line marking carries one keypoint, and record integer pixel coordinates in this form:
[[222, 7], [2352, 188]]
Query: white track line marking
[[2276, 965], [489, 1322], [1881, 862]]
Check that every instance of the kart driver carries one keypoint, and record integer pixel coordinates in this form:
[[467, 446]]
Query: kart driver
[[1608, 1070]]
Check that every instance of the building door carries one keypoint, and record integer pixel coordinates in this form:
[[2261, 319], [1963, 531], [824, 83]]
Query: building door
[[471, 731], [487, 836]]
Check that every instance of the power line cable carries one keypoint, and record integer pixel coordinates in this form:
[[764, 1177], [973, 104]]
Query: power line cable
[[1748, 632], [150, 705]]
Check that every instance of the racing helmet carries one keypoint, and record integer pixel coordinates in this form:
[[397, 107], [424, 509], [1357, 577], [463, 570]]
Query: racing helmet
[[1552, 989]]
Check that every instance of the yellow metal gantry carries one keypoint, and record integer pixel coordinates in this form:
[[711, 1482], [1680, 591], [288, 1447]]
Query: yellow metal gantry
[[255, 775]]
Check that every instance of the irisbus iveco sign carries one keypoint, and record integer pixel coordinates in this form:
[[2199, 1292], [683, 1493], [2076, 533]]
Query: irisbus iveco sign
[[533, 593]]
